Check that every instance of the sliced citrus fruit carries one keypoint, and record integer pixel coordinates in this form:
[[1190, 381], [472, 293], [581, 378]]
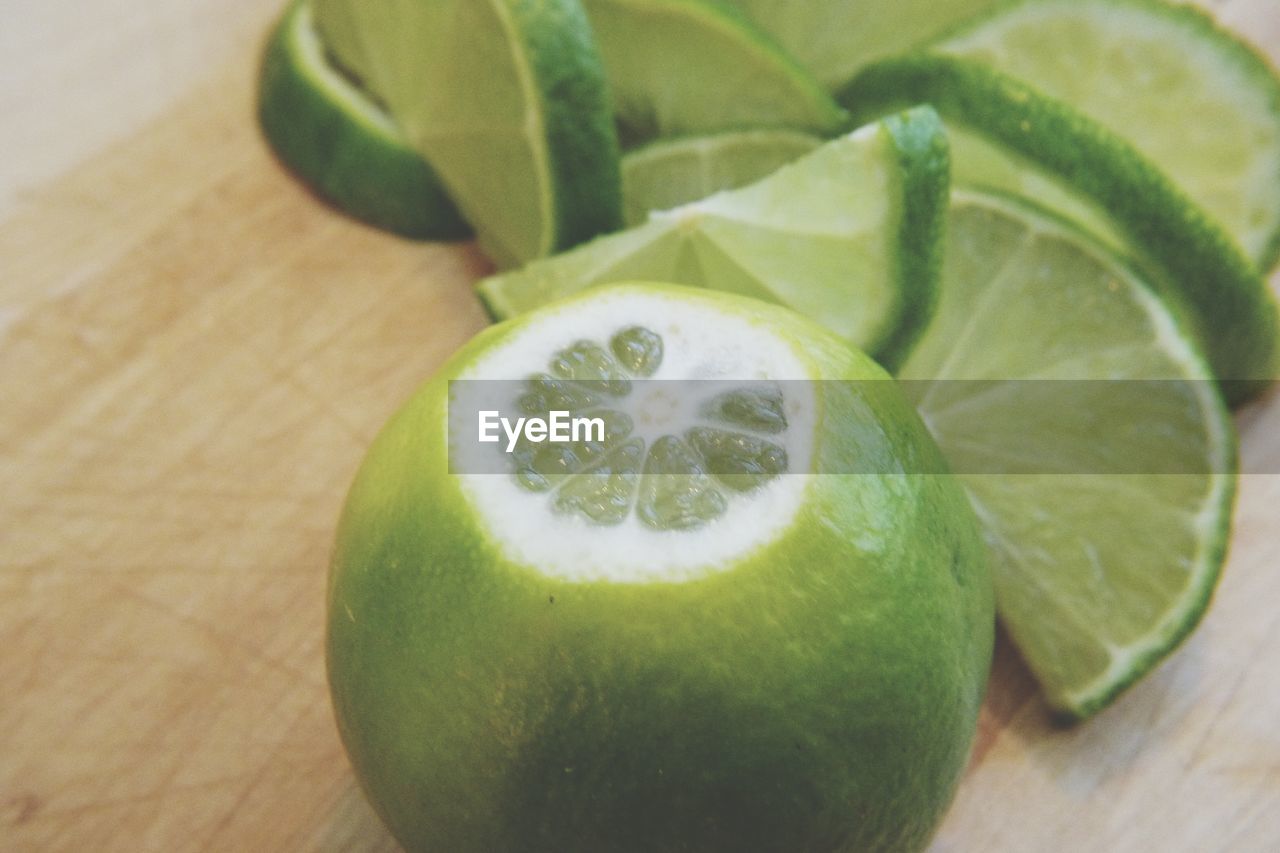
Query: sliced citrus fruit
[[849, 235], [1195, 100], [679, 67], [505, 99], [340, 141], [1232, 310], [1090, 436], [669, 173], [636, 653], [837, 38]]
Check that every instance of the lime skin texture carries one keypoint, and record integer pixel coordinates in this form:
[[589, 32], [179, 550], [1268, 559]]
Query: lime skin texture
[[817, 694]]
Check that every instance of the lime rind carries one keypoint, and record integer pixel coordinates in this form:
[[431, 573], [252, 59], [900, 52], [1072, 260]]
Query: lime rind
[[341, 143], [925, 159], [1249, 107], [652, 49], [1178, 244], [1177, 526]]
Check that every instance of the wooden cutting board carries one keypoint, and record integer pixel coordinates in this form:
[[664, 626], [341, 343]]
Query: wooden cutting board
[[194, 354]]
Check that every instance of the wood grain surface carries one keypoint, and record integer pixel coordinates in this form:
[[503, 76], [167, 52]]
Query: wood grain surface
[[194, 354]]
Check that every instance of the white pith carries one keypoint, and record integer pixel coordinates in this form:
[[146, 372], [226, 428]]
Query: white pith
[[700, 342]]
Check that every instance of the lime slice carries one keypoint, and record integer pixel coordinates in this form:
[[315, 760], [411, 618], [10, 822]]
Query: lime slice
[[1106, 499], [679, 67], [673, 172], [849, 235], [837, 38], [1192, 98], [689, 634], [505, 99], [341, 143], [1180, 247]]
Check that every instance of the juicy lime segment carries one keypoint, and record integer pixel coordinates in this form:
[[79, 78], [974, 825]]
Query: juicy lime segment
[[681, 67], [849, 235], [341, 142], [669, 173], [505, 99], [1053, 360], [1191, 97]]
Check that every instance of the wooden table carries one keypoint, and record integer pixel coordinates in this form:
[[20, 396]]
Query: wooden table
[[194, 354]]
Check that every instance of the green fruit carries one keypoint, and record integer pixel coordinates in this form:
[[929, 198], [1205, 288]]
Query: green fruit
[[796, 665], [849, 235], [1086, 429], [506, 99], [340, 141]]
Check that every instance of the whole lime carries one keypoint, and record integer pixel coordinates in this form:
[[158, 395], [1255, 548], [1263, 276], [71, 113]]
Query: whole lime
[[683, 634]]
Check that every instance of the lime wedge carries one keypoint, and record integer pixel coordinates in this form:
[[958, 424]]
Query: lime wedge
[[673, 172], [849, 235], [679, 67], [1193, 99], [837, 38], [341, 143], [1179, 246], [1106, 498], [505, 99]]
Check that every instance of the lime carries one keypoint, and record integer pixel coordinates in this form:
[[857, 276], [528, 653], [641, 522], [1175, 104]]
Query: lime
[[669, 173], [1192, 98], [1090, 437], [1180, 248], [640, 656], [340, 142], [849, 235], [505, 99], [837, 38], [679, 67]]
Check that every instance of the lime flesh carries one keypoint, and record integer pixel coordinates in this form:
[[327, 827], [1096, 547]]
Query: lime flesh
[[1090, 438]]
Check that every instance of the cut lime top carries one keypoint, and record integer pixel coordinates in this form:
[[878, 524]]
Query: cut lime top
[[622, 506]]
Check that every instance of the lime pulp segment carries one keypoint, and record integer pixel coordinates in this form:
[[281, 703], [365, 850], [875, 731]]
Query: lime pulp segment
[[1180, 248], [338, 140], [505, 99], [1196, 101], [1099, 574], [848, 235], [679, 67]]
